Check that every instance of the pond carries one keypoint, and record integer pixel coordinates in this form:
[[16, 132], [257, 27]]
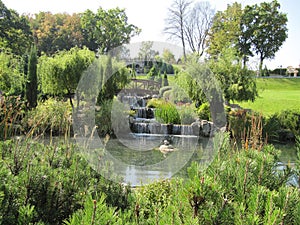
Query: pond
[[141, 161], [146, 165]]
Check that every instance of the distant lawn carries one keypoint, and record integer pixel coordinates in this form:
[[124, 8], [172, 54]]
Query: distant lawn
[[275, 95]]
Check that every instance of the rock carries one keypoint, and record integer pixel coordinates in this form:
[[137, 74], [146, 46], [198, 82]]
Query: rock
[[205, 128], [166, 147], [196, 126]]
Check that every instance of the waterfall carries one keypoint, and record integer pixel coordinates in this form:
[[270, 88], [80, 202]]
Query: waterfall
[[186, 130], [143, 121]]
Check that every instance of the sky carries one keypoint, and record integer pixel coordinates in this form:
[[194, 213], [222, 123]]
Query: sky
[[150, 15]]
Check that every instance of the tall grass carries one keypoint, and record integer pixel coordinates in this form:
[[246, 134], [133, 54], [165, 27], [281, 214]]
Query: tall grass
[[11, 114]]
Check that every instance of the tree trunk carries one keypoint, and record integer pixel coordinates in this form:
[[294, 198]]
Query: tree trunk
[[261, 61]]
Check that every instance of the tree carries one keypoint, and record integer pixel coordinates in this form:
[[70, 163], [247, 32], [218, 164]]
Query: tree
[[106, 30], [175, 22], [56, 32], [266, 29], [31, 84], [11, 75], [61, 73], [197, 25], [15, 32], [168, 56], [146, 52], [225, 31], [113, 76], [237, 82]]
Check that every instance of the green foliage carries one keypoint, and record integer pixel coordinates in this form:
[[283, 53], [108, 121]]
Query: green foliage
[[103, 118], [187, 114], [289, 124], [95, 212], [247, 29], [278, 127], [113, 77], [15, 31], [48, 183], [52, 184], [203, 111], [152, 197], [165, 112], [237, 83], [153, 72], [186, 82], [264, 22], [11, 76], [49, 117], [60, 74], [146, 53], [225, 30], [56, 32], [168, 56], [115, 24], [164, 89]]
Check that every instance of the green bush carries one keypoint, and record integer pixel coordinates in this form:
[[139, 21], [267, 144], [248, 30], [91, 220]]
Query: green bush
[[282, 127], [54, 185], [204, 111], [152, 73], [165, 112], [103, 118], [48, 183], [164, 89], [95, 212], [290, 120], [187, 114]]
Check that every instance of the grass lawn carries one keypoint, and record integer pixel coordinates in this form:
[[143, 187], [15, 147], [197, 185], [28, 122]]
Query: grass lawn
[[275, 95]]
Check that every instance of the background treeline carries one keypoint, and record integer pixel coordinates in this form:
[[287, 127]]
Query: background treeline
[[55, 32]]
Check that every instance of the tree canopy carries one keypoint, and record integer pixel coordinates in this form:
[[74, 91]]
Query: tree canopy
[[15, 32], [105, 30], [100, 32], [56, 32], [60, 74], [189, 23], [11, 75], [255, 30], [266, 29]]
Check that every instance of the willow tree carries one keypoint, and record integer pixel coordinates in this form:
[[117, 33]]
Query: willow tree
[[61, 73]]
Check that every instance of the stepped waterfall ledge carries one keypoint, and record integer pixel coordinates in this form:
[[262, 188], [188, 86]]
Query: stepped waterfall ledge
[[143, 121]]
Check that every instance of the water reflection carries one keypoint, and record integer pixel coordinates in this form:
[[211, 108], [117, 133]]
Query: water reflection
[[143, 167]]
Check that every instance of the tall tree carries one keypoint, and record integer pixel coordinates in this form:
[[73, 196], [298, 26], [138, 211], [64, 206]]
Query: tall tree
[[113, 76], [197, 25], [175, 22], [168, 56], [56, 32], [106, 30], [15, 32], [266, 29], [31, 84], [146, 52], [225, 31]]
